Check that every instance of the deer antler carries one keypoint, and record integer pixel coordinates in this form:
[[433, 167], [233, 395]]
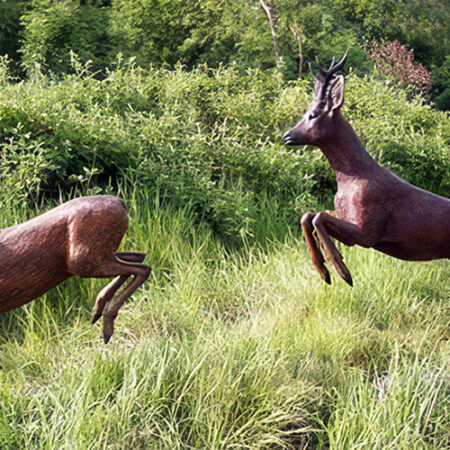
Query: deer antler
[[327, 76]]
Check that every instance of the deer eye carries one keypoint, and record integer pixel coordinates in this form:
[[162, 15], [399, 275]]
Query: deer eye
[[312, 116]]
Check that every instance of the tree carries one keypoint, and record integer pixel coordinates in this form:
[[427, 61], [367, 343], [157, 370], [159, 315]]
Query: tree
[[153, 31], [441, 84], [10, 29], [53, 28], [267, 11], [251, 33]]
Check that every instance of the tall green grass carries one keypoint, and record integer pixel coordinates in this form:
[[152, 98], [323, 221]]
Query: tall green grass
[[230, 347]]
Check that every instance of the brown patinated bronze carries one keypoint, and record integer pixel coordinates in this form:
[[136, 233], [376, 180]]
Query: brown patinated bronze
[[374, 207], [78, 238]]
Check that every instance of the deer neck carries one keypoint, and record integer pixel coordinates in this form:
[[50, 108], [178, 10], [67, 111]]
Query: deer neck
[[346, 154]]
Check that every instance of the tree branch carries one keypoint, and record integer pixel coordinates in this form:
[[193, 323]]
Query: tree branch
[[298, 35], [273, 30]]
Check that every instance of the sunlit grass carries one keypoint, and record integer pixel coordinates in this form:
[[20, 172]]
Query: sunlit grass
[[232, 348]]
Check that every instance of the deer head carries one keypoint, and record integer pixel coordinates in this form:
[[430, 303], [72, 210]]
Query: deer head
[[318, 123]]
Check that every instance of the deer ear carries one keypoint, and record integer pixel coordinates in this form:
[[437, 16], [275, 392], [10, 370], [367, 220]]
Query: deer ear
[[335, 97]]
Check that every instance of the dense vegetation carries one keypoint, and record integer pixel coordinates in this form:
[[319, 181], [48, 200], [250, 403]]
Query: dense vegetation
[[251, 33], [210, 138], [234, 342]]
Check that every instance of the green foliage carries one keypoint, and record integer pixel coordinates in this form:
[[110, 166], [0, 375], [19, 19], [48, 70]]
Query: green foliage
[[10, 28], [207, 138], [163, 32], [23, 169], [53, 28], [196, 138], [235, 31], [153, 31], [442, 85]]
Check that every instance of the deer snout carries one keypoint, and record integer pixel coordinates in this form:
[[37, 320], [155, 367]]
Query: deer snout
[[287, 137], [300, 134], [290, 137]]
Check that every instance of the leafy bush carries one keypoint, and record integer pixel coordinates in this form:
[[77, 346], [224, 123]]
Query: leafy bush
[[441, 84], [395, 61], [207, 138]]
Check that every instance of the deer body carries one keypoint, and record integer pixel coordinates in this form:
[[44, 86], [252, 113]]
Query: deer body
[[374, 207], [78, 238]]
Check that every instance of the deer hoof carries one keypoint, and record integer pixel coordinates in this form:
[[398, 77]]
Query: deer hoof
[[95, 317], [108, 327], [347, 278], [343, 271], [323, 272]]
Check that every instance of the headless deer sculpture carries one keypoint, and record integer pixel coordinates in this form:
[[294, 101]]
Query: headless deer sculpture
[[374, 207], [79, 238]]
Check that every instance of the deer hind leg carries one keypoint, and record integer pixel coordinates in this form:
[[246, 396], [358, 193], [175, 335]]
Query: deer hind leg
[[313, 247], [107, 293], [125, 265], [140, 273]]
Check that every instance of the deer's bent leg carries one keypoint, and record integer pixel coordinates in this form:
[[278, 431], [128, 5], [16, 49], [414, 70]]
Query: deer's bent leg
[[131, 256], [327, 225], [125, 265], [313, 247], [107, 293], [140, 273]]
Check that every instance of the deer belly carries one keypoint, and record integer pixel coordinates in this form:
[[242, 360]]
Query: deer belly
[[416, 239], [412, 254], [26, 277]]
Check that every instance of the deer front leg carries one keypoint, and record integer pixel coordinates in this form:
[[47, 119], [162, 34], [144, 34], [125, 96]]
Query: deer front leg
[[313, 247], [140, 273], [107, 293], [348, 233]]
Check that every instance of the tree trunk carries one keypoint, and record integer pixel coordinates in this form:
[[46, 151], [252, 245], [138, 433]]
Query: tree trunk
[[298, 35], [273, 31]]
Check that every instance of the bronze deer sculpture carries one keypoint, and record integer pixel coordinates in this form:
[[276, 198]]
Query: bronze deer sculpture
[[374, 207], [79, 238]]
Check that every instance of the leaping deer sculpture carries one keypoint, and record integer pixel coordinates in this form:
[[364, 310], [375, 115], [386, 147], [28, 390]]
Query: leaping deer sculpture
[[80, 238], [374, 207]]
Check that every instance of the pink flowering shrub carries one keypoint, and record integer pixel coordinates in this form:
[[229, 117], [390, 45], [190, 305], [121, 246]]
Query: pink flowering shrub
[[396, 61]]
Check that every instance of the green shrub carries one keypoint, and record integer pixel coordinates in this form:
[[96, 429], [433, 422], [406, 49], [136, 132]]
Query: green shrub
[[207, 138]]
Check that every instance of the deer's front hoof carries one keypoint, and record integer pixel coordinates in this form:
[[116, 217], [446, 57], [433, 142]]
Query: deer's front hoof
[[95, 317], [346, 275]]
